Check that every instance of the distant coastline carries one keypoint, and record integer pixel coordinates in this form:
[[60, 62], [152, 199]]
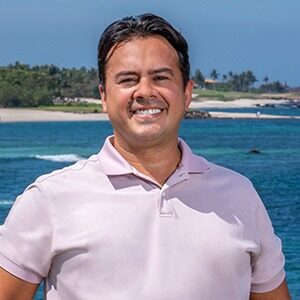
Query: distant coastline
[[8, 115], [41, 115]]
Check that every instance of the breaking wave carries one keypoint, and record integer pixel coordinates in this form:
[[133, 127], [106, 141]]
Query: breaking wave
[[60, 157], [6, 202]]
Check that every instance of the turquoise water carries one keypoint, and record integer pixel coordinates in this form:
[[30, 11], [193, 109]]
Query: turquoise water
[[30, 149]]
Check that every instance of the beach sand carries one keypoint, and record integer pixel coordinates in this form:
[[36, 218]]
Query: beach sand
[[231, 115], [35, 115], [239, 103]]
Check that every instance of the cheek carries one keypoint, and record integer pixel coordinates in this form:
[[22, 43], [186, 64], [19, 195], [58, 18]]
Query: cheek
[[117, 106], [121, 95]]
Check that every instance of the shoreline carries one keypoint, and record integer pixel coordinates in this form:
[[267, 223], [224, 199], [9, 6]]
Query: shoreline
[[17, 115], [11, 115], [242, 103]]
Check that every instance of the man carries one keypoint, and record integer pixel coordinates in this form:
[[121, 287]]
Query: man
[[145, 218]]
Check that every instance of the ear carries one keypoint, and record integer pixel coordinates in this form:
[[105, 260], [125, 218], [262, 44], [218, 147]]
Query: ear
[[188, 94], [103, 98]]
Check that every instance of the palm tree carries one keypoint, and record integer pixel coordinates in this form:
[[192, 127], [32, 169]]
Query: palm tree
[[266, 79], [214, 74], [249, 80], [198, 77]]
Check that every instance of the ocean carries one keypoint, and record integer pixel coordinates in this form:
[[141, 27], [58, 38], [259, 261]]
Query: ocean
[[28, 150]]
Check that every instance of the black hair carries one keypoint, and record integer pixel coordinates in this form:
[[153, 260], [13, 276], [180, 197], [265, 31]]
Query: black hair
[[142, 26]]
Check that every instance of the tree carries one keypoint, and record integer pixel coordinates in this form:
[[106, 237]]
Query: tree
[[198, 77], [22, 85], [224, 77], [248, 80], [241, 82], [230, 74], [266, 79], [273, 87], [214, 74]]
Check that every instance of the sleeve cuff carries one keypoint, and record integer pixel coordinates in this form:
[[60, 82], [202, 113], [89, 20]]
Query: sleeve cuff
[[270, 285], [18, 271]]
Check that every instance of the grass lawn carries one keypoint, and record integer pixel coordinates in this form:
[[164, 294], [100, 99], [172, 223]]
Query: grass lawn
[[74, 107]]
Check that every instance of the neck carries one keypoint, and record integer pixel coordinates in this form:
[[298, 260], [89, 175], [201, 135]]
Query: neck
[[156, 161]]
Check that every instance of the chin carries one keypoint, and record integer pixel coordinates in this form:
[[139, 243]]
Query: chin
[[147, 136]]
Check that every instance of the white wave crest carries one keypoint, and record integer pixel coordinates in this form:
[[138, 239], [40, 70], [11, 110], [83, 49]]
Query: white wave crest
[[6, 202], [60, 157]]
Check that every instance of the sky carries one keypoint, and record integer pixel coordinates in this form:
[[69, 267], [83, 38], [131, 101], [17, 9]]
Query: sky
[[228, 35]]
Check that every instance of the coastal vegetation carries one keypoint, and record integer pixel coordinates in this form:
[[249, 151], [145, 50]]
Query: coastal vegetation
[[25, 86], [238, 82], [52, 88]]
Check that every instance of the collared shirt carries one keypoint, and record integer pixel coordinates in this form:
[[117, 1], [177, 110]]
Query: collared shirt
[[102, 230]]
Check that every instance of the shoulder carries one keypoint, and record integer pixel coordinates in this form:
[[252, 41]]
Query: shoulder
[[79, 177], [228, 175], [224, 185], [82, 170], [209, 171], [220, 175]]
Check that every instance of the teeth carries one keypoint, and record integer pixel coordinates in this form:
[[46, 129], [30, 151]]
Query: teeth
[[148, 111]]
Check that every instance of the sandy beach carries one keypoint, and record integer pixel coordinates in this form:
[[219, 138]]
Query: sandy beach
[[35, 115], [239, 103]]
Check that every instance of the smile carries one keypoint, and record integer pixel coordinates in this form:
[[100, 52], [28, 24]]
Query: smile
[[151, 111]]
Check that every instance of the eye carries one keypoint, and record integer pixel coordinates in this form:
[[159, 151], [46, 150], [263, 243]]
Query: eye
[[160, 78], [127, 81]]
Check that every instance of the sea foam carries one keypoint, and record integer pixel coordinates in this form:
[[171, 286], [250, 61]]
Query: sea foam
[[6, 202], [60, 157]]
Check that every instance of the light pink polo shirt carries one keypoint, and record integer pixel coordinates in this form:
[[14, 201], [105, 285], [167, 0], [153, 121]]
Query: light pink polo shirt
[[101, 230]]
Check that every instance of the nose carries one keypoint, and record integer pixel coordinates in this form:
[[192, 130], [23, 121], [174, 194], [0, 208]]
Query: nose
[[145, 90]]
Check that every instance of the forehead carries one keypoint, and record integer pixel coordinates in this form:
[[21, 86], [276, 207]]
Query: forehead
[[149, 49]]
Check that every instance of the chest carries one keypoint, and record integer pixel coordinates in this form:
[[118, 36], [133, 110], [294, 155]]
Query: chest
[[148, 241]]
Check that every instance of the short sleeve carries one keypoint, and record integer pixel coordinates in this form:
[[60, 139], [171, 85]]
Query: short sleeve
[[268, 264], [26, 236]]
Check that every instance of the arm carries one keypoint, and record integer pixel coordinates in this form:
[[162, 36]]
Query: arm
[[14, 288], [280, 293]]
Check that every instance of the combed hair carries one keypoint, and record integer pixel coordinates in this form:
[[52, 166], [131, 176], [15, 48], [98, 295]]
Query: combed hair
[[142, 26]]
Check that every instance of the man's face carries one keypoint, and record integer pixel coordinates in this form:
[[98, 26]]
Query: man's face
[[144, 94]]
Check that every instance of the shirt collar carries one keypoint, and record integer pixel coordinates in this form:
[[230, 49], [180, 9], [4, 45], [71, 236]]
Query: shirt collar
[[113, 163], [190, 162]]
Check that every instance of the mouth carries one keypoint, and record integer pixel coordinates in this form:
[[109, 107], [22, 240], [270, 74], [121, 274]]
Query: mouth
[[146, 109], [147, 112]]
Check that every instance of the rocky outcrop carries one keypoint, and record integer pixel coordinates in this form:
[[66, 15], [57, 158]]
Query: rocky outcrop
[[197, 114]]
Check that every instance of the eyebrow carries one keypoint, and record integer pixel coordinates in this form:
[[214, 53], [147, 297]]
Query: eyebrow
[[151, 72], [125, 73], [162, 70]]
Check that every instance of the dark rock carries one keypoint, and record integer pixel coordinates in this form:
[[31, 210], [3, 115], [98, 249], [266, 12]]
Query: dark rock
[[197, 114], [294, 103], [254, 151], [269, 105]]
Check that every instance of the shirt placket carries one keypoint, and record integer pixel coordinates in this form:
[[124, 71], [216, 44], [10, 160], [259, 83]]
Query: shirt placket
[[165, 207]]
